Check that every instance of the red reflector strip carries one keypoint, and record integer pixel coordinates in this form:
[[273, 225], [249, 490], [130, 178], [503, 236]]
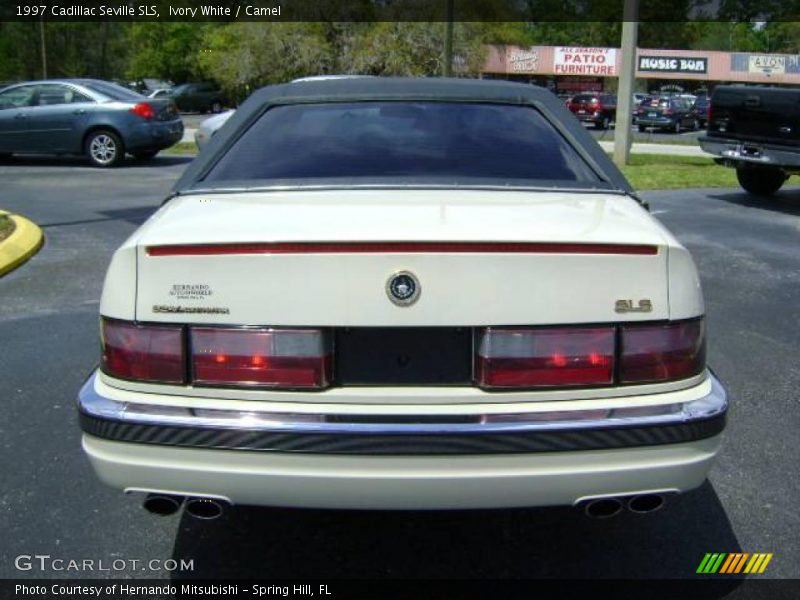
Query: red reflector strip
[[400, 248]]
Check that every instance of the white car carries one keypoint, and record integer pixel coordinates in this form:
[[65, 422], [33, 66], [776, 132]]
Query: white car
[[402, 294], [209, 128]]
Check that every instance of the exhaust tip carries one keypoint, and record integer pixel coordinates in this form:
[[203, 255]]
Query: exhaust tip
[[603, 508], [646, 503], [204, 508], [161, 504]]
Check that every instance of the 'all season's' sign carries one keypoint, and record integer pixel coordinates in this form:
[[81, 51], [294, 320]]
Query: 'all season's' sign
[[673, 64]]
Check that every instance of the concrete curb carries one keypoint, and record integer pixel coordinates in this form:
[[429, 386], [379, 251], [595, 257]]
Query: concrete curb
[[24, 242]]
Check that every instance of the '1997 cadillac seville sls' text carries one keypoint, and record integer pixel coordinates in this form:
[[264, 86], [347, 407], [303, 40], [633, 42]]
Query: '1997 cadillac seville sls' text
[[395, 294]]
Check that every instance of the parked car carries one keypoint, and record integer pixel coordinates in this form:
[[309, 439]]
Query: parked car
[[598, 109], [148, 86], [673, 113], [199, 97], [637, 99], [755, 130], [402, 294], [102, 120], [209, 127], [160, 93], [701, 108]]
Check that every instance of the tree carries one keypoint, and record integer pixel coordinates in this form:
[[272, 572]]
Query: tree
[[416, 49], [166, 50], [242, 56]]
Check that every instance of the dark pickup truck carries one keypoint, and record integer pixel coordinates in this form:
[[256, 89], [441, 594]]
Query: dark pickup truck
[[756, 130]]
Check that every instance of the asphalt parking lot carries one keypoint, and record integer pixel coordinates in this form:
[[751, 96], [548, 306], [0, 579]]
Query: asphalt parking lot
[[747, 253]]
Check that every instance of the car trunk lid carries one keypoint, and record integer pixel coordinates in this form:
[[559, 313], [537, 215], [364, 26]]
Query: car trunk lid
[[324, 258]]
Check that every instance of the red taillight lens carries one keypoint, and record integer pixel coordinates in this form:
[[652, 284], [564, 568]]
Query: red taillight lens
[[142, 352], [144, 110], [652, 353], [519, 358], [288, 358]]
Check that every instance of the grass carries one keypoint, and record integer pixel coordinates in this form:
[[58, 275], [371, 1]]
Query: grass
[[664, 172], [644, 138], [6, 227], [181, 148], [646, 171]]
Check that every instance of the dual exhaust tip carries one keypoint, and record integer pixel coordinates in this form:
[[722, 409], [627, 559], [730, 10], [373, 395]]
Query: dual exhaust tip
[[200, 508], [208, 509], [604, 508]]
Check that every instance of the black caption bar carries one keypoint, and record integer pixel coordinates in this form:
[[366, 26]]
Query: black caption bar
[[129, 589], [390, 10]]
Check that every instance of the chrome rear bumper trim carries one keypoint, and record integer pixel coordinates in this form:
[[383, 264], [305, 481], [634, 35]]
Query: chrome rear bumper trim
[[94, 405]]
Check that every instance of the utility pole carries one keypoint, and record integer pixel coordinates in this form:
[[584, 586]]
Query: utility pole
[[44, 48], [447, 70], [623, 136]]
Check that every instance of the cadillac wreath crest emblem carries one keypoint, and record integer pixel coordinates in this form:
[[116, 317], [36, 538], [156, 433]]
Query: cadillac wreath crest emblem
[[403, 288]]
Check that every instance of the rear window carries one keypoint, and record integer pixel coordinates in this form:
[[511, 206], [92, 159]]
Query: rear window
[[400, 140], [113, 91]]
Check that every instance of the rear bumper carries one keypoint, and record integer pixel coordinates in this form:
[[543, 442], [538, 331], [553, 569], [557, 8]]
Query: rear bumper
[[497, 460], [737, 151], [154, 135], [593, 118], [658, 122]]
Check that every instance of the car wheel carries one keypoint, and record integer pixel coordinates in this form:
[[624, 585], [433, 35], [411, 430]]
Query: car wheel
[[760, 181], [695, 125], [642, 128], [604, 124], [4, 157], [216, 107], [145, 155], [104, 148], [676, 127]]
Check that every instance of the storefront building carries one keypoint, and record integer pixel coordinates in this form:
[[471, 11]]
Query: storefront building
[[569, 70]]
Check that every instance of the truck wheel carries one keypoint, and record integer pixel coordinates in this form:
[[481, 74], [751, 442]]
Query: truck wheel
[[760, 181]]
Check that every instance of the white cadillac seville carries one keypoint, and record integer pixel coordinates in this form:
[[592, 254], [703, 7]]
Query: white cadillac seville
[[397, 294]]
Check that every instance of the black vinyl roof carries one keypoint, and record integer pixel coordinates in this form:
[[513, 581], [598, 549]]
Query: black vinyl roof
[[354, 89]]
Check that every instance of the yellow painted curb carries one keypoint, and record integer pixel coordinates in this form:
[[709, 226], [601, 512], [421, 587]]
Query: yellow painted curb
[[24, 242]]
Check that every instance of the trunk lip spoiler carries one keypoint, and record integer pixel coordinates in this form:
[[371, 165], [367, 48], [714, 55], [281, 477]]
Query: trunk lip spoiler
[[398, 247]]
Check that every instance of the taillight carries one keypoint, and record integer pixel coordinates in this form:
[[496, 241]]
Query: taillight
[[144, 110], [143, 352], [708, 113], [520, 357], [653, 353], [281, 358]]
